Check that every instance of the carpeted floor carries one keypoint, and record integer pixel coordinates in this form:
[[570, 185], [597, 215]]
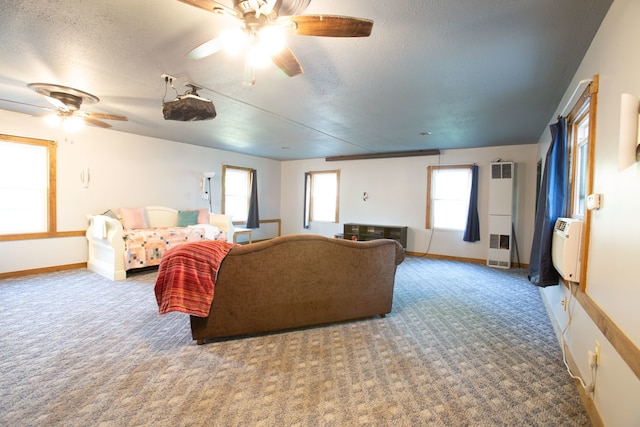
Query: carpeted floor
[[465, 345]]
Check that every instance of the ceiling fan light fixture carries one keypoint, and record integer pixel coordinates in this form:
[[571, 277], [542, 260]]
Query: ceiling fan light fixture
[[258, 57], [72, 124], [265, 23], [272, 39], [53, 120], [67, 102], [234, 41]]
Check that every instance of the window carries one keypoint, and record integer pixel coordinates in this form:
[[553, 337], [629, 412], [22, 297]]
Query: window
[[322, 194], [27, 186], [448, 190], [236, 183], [581, 148]]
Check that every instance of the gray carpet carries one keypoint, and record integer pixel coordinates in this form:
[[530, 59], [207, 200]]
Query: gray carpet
[[465, 345]]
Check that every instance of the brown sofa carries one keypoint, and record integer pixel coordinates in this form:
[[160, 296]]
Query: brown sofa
[[299, 280]]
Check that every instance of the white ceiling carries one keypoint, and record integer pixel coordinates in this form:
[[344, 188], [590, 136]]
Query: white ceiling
[[472, 73]]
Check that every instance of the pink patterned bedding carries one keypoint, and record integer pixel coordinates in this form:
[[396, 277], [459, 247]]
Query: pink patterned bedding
[[187, 276], [145, 247]]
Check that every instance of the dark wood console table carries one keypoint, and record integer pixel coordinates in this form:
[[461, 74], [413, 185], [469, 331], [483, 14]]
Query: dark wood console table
[[353, 231]]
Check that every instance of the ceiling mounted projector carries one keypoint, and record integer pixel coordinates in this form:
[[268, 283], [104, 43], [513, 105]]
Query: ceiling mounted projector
[[189, 107]]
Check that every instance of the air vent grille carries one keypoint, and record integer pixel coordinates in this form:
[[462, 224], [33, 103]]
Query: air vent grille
[[506, 170], [496, 171], [499, 241], [501, 170]]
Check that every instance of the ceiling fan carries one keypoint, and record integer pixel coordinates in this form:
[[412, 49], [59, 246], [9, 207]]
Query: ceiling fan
[[262, 31], [66, 102]]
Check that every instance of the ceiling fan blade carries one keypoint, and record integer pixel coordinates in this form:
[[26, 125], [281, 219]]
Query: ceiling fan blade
[[211, 6], [26, 104], [96, 122], [206, 49], [287, 62], [105, 116], [330, 25]]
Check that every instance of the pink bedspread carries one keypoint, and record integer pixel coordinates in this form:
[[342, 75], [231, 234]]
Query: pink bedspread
[[187, 275], [146, 247]]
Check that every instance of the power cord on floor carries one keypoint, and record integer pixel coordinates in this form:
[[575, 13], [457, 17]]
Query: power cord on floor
[[433, 230], [593, 362]]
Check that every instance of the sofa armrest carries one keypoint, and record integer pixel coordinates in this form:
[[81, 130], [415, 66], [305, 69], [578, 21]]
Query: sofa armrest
[[105, 227], [105, 236], [224, 223]]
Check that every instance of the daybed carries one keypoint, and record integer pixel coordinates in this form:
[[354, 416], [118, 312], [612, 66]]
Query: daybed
[[117, 245], [289, 282]]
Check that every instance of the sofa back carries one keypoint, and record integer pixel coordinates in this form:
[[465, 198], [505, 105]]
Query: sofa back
[[300, 280]]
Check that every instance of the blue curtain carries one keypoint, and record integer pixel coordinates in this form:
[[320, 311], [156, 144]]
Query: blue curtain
[[550, 206], [472, 231], [253, 220]]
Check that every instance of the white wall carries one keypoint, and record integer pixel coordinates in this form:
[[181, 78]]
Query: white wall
[[397, 196], [126, 171], [614, 249]]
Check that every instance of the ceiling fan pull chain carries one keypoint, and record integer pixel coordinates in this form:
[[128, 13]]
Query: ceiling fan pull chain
[[249, 78]]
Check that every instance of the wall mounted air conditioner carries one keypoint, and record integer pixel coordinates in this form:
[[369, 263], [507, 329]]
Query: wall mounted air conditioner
[[566, 247]]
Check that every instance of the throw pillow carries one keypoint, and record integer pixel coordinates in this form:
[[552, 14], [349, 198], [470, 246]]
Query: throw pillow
[[134, 218], [187, 218], [203, 216]]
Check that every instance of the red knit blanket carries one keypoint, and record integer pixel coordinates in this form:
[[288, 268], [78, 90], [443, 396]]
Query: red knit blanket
[[187, 276]]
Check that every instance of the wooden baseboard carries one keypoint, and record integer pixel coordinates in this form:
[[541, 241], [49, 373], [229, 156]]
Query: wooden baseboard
[[42, 270], [587, 400], [462, 259], [47, 235], [626, 348]]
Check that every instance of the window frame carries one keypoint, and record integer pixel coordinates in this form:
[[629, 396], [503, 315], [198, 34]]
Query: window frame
[[430, 189], [585, 107], [223, 202], [309, 199], [51, 208]]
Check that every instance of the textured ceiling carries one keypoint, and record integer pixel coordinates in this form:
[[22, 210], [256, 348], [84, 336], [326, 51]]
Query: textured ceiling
[[481, 73]]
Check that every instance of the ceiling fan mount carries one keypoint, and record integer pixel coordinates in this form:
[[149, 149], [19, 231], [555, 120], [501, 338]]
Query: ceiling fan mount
[[68, 96], [267, 10], [72, 102]]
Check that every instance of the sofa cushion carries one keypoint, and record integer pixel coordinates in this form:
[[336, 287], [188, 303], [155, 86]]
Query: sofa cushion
[[134, 218], [187, 218]]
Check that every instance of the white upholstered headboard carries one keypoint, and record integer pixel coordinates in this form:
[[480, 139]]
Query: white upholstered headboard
[[160, 216]]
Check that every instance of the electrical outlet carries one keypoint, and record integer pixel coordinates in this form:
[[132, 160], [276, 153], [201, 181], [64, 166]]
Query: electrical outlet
[[563, 303], [597, 353]]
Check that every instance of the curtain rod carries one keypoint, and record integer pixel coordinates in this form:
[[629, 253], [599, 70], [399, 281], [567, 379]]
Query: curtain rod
[[580, 83]]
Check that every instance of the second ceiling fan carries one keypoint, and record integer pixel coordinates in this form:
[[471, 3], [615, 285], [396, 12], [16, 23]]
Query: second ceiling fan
[[263, 29]]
